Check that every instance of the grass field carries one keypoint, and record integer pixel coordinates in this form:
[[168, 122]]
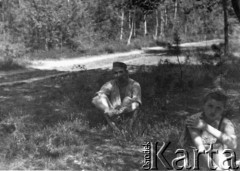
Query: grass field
[[58, 128]]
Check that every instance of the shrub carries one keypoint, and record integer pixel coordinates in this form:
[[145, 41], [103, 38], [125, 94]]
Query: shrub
[[162, 43], [8, 63], [138, 43], [12, 54], [109, 49]]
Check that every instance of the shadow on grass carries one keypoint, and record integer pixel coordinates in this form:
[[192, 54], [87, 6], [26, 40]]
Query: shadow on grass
[[69, 97], [110, 155], [50, 108]]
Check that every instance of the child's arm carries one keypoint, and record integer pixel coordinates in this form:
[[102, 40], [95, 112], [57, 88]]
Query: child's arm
[[227, 137], [197, 140]]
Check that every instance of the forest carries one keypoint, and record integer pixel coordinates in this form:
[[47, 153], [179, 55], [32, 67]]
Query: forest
[[106, 26]]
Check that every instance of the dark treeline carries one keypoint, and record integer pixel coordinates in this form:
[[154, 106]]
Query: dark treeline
[[85, 24]]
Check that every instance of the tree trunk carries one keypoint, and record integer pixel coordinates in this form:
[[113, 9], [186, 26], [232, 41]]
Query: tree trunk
[[145, 25], [3, 27], [166, 17], [130, 35], [185, 26], [164, 22], [175, 9], [131, 30], [224, 4], [122, 23], [134, 23], [162, 25], [175, 14], [5, 20], [129, 19], [157, 25]]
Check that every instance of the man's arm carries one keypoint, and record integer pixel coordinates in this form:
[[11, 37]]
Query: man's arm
[[101, 100], [137, 94], [131, 106], [132, 103]]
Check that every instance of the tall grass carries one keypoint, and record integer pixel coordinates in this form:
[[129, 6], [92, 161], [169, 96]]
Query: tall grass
[[60, 129]]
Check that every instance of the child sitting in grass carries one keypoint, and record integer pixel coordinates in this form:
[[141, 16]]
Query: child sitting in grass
[[211, 127]]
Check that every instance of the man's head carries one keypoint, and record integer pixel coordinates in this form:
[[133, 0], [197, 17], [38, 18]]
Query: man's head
[[120, 71], [214, 104]]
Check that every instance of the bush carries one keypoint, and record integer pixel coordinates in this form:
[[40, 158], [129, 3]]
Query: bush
[[162, 43], [63, 52], [10, 64], [112, 47], [109, 49], [12, 54], [138, 43]]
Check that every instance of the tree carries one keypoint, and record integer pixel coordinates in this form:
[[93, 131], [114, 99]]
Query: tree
[[80, 24], [224, 4], [148, 7]]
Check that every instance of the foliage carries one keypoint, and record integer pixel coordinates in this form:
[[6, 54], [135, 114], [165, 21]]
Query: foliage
[[11, 55], [84, 25]]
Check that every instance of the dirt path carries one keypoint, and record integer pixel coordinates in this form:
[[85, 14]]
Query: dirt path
[[89, 62], [137, 57], [42, 69]]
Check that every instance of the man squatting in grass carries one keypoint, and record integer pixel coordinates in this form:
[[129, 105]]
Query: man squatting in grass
[[120, 96], [211, 127]]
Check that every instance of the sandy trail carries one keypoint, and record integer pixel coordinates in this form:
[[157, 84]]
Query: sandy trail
[[90, 62], [137, 57]]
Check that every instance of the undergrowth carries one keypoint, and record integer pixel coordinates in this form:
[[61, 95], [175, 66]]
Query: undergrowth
[[107, 47], [11, 57], [60, 129]]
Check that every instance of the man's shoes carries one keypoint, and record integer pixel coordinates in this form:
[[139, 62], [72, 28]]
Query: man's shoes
[[112, 112]]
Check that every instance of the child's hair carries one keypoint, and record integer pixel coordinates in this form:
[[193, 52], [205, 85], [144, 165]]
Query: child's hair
[[217, 94]]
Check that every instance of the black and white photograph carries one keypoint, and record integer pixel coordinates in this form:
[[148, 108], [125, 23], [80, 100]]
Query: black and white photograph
[[120, 85]]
